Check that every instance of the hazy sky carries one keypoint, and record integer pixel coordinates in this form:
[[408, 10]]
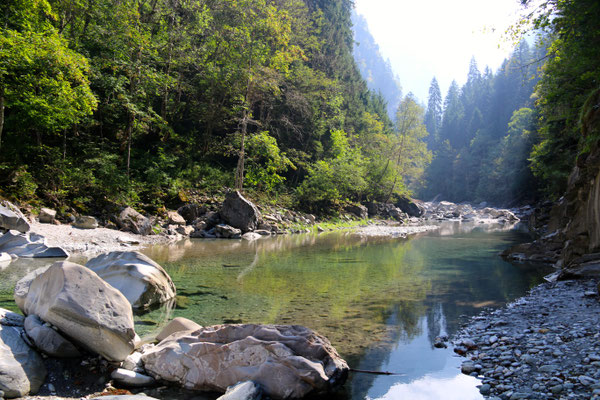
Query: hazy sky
[[427, 38]]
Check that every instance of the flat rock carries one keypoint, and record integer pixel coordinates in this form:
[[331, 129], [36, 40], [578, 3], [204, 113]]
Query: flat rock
[[286, 361], [22, 370], [49, 341], [141, 280], [12, 219], [28, 245], [83, 307], [178, 324]]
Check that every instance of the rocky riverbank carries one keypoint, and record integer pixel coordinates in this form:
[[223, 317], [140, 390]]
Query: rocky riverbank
[[545, 345]]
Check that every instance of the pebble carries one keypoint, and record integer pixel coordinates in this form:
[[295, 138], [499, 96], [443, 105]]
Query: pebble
[[545, 345]]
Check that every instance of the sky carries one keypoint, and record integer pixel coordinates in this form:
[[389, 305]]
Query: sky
[[427, 38]]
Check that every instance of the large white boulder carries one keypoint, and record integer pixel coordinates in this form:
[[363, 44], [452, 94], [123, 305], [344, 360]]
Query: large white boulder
[[286, 361], [12, 219], [83, 307], [22, 370], [141, 280], [28, 245]]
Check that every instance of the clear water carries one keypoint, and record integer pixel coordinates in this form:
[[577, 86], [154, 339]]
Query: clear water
[[381, 302]]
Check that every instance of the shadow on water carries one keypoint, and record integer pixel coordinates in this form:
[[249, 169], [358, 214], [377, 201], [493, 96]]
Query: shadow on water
[[381, 302]]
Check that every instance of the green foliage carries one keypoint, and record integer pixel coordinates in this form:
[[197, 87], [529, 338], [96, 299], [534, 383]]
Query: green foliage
[[266, 162]]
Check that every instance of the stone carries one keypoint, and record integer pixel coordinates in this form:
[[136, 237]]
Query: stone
[[11, 218], [251, 236], [240, 213], [358, 210], [47, 215], [28, 245], [133, 362], [410, 207], [83, 307], [185, 230], [130, 220], [128, 397], [485, 389], [9, 318], [178, 324], [131, 378], [190, 212], [141, 280], [286, 361], [22, 370], [243, 391], [227, 232], [86, 222], [5, 259], [49, 341], [175, 219], [263, 232]]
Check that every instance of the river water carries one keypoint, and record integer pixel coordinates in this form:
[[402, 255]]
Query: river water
[[381, 302]]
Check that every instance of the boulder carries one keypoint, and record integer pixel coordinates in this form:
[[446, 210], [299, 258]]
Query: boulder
[[131, 378], [243, 391], [190, 212], [185, 230], [141, 280], [83, 307], [28, 245], [411, 207], [178, 324], [5, 259], [47, 215], [359, 210], [174, 218], [239, 212], [11, 218], [22, 370], [251, 236], [286, 361], [22, 286], [86, 222], [9, 318], [227, 232], [49, 341], [130, 220]]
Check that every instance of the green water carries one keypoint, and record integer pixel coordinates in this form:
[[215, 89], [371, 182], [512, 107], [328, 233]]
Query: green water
[[381, 302]]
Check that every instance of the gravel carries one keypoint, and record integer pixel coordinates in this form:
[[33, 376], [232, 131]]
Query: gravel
[[545, 345]]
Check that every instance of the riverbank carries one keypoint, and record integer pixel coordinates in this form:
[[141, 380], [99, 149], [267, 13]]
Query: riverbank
[[545, 345]]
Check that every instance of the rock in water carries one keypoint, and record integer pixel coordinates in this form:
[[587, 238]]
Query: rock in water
[[28, 245], [239, 212], [47, 340], [132, 221], [141, 280], [22, 370], [286, 361], [83, 307], [12, 219], [178, 324]]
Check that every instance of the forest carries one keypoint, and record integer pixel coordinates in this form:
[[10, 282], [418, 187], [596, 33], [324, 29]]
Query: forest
[[144, 102]]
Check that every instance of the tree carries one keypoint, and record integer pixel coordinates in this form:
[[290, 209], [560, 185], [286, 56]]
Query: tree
[[433, 115]]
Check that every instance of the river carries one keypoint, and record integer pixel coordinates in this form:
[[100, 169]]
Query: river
[[381, 302]]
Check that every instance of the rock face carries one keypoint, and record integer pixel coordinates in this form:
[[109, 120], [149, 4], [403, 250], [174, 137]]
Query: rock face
[[28, 245], [47, 215], [132, 221], [22, 370], [83, 307], [47, 340], [239, 212], [141, 280], [12, 219], [286, 361]]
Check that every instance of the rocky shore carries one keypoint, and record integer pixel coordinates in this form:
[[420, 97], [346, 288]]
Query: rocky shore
[[545, 345]]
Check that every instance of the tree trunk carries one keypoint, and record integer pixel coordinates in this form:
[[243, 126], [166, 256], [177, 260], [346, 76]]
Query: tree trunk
[[1, 114], [239, 172], [129, 134]]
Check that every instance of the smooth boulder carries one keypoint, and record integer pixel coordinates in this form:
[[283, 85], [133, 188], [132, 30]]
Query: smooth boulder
[[178, 324], [141, 280], [130, 220], [86, 222], [47, 340], [83, 307], [28, 245], [11, 218], [239, 212], [22, 370], [286, 361]]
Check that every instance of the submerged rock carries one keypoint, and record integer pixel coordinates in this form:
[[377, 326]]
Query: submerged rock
[[22, 370], [286, 361], [240, 213], [141, 280], [12, 219], [82, 306], [28, 245]]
